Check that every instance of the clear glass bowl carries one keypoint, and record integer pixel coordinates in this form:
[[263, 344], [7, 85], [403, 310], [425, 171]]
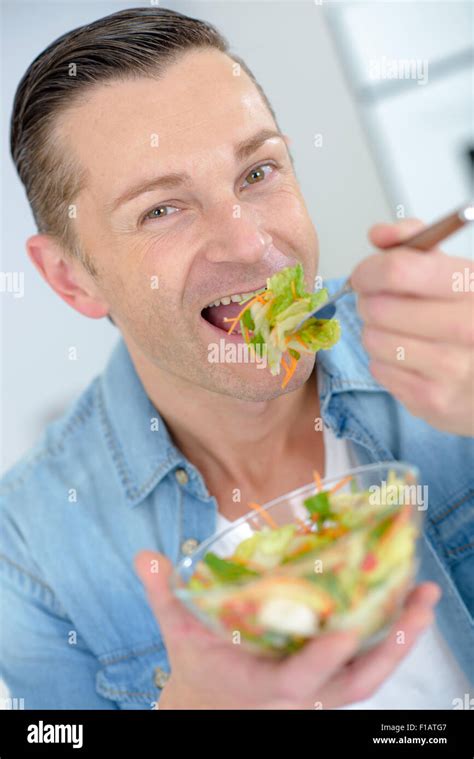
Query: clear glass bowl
[[352, 571]]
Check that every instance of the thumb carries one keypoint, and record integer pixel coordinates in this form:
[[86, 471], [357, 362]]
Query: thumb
[[154, 570], [389, 235]]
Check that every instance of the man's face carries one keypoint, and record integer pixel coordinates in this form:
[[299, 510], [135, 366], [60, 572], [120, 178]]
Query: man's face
[[166, 253]]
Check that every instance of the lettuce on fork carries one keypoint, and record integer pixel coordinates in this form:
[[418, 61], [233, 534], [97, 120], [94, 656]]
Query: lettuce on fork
[[269, 319]]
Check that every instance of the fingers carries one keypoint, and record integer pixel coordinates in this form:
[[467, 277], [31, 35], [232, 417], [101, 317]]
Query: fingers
[[154, 570], [445, 362], [444, 405], [406, 271], [361, 678], [438, 320], [427, 593], [306, 671], [388, 235]]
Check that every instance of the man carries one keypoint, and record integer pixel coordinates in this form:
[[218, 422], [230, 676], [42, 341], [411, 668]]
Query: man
[[169, 187]]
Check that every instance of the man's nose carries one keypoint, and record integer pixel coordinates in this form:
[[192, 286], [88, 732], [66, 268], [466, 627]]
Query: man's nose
[[236, 235]]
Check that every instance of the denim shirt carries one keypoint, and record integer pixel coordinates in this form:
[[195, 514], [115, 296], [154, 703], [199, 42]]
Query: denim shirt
[[106, 481]]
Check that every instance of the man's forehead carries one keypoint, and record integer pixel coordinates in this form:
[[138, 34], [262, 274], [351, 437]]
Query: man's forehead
[[198, 105]]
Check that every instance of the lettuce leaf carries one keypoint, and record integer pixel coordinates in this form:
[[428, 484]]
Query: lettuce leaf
[[225, 570], [319, 504], [273, 320]]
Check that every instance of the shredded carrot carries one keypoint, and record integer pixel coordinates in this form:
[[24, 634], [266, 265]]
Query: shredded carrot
[[341, 483], [286, 380], [303, 526], [264, 514], [290, 370], [317, 479], [250, 297], [300, 341], [238, 317], [289, 338]]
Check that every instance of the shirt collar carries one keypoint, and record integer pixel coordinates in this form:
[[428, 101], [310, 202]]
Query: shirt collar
[[141, 447], [136, 435], [345, 367]]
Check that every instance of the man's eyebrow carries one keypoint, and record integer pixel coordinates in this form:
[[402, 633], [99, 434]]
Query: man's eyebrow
[[242, 150], [245, 148], [165, 182]]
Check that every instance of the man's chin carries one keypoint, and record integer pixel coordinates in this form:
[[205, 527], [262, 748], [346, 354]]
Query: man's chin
[[254, 382]]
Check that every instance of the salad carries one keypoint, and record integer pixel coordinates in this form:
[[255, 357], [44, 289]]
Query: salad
[[268, 321], [346, 565]]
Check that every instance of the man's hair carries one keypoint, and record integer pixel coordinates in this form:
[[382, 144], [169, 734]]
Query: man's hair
[[133, 43]]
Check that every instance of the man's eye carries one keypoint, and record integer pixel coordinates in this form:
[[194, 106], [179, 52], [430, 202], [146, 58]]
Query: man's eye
[[253, 177], [258, 174], [159, 212]]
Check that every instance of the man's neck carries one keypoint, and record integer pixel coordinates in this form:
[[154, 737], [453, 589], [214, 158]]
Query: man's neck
[[236, 441]]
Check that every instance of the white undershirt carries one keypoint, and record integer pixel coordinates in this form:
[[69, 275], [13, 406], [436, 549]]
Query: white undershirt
[[429, 677]]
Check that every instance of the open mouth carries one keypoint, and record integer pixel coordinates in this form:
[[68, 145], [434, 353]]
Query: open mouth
[[226, 308]]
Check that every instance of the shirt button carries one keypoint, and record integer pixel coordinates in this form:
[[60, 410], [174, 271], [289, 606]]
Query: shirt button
[[182, 476], [160, 677], [189, 546]]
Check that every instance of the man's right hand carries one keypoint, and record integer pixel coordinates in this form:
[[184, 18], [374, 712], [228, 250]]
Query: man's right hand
[[208, 672]]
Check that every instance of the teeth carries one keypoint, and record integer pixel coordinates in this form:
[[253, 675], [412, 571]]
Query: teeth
[[236, 298]]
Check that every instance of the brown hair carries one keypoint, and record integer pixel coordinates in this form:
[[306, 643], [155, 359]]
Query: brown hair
[[128, 44]]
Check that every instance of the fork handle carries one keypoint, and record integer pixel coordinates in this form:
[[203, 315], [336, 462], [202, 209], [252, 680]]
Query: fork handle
[[430, 236]]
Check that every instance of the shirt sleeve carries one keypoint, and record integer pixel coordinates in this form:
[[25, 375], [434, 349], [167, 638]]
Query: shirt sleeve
[[43, 661]]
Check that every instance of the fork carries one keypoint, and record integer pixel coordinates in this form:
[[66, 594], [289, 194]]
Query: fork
[[422, 241]]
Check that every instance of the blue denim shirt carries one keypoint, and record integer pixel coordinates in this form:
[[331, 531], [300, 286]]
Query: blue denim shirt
[[104, 483]]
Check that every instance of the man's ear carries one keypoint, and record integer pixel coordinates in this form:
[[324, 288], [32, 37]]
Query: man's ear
[[66, 276]]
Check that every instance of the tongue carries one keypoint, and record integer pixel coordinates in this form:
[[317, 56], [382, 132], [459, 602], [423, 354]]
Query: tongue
[[217, 314]]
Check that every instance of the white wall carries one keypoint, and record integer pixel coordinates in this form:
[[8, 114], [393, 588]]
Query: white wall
[[420, 126]]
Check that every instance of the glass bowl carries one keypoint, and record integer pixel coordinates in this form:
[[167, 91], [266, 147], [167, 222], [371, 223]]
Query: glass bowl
[[339, 554]]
